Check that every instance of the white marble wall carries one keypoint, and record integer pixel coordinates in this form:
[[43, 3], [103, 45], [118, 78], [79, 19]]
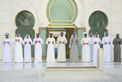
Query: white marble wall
[[10, 8]]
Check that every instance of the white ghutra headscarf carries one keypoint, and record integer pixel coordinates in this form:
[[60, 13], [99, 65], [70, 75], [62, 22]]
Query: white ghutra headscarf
[[85, 33]]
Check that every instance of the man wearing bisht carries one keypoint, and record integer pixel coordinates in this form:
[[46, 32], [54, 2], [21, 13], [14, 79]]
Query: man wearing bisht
[[50, 49], [38, 42], [85, 49], [117, 42], [107, 41], [74, 48], [27, 49], [18, 49], [61, 41], [7, 42]]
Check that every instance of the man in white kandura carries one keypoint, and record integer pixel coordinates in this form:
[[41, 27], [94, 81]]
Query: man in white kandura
[[38, 48], [27, 49], [97, 43], [50, 49], [18, 48], [107, 41], [91, 46], [7, 42], [85, 49], [61, 41]]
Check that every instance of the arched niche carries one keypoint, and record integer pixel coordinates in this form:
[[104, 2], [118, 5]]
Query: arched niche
[[25, 22], [98, 22]]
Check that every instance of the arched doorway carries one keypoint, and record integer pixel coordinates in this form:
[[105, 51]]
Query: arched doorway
[[44, 32]]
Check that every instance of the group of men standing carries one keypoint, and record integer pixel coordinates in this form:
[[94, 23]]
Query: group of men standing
[[90, 45], [27, 42], [61, 41]]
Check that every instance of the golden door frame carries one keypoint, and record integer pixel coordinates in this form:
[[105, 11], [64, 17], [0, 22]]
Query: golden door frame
[[72, 27]]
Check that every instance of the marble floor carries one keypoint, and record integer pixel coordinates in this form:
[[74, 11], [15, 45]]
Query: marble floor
[[37, 72]]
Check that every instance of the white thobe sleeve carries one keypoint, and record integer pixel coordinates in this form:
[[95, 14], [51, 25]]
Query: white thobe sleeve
[[103, 41], [21, 40], [24, 42], [14, 40], [3, 41], [54, 41], [100, 41], [31, 41], [58, 41], [47, 41], [81, 41], [65, 40], [11, 42], [110, 40], [91, 41]]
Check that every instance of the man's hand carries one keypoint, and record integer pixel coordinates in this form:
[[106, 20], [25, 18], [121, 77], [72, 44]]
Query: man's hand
[[16, 40], [118, 41], [30, 43], [105, 42], [63, 42], [84, 43], [60, 42], [35, 41], [8, 42], [4, 42], [72, 40], [77, 41], [49, 42], [25, 42], [39, 41]]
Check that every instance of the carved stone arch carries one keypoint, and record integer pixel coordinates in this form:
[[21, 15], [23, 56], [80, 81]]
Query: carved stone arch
[[98, 22], [25, 22]]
